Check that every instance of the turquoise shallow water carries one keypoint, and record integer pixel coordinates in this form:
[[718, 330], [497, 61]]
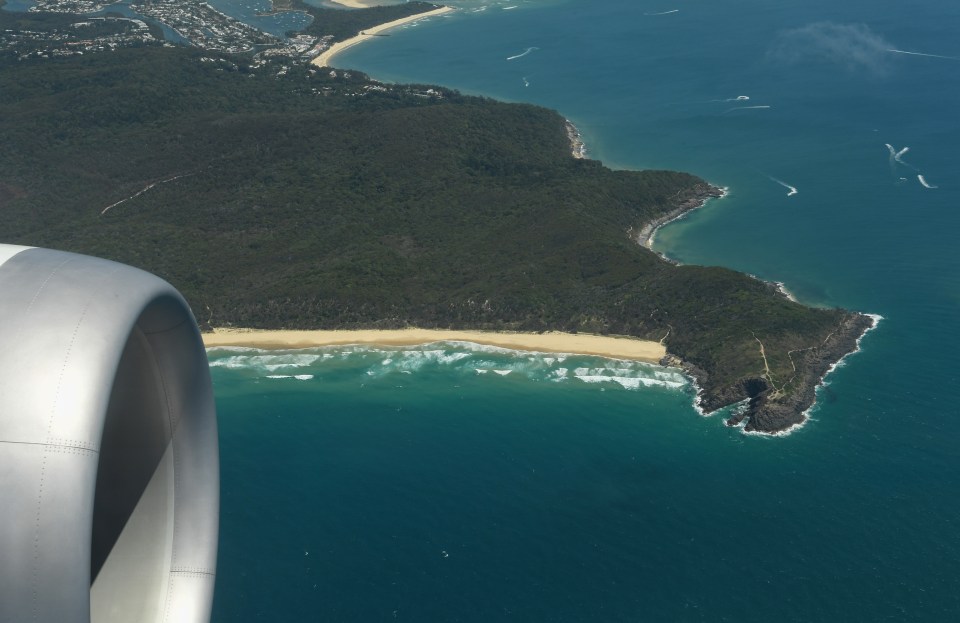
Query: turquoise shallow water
[[420, 489]]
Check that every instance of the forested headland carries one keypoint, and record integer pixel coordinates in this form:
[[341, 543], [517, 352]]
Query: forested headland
[[282, 196]]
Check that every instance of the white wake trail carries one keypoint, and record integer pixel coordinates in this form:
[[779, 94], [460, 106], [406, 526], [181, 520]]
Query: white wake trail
[[663, 12], [746, 108], [793, 189], [949, 58], [896, 157], [522, 54], [926, 184]]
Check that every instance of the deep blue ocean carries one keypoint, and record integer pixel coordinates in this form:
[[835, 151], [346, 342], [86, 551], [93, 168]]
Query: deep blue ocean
[[454, 483]]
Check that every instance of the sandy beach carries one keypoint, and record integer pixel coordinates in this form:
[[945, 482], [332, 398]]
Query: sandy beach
[[359, 4], [326, 57], [552, 342]]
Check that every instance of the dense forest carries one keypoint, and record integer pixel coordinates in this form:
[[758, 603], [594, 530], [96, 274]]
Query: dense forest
[[342, 24], [286, 196]]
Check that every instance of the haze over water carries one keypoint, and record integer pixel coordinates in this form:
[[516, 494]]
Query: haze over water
[[405, 485]]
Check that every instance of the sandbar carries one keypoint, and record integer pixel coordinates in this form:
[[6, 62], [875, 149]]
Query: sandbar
[[324, 59], [550, 342]]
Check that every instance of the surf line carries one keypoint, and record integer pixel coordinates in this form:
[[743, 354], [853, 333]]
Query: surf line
[[949, 58], [522, 54], [793, 190]]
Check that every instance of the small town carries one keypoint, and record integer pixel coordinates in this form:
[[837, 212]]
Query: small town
[[205, 27], [196, 22], [92, 34]]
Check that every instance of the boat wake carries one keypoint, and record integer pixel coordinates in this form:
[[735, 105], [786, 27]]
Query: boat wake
[[739, 98], [949, 58], [896, 157], [662, 13], [793, 190], [924, 182], [522, 54], [746, 108]]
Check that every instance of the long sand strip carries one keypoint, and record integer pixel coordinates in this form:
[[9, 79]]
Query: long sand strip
[[359, 4], [326, 57], [553, 342]]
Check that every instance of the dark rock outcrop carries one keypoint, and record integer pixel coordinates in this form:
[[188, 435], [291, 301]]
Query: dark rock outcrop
[[771, 411]]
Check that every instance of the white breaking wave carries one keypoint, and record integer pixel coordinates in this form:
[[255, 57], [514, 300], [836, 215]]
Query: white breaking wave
[[413, 360], [663, 12], [924, 182], [628, 382], [463, 357], [632, 378], [780, 433], [269, 363], [522, 54]]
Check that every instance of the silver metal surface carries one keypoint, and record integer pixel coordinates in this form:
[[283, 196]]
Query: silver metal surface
[[109, 466]]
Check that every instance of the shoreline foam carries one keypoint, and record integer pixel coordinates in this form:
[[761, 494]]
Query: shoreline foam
[[807, 413], [327, 56], [551, 342]]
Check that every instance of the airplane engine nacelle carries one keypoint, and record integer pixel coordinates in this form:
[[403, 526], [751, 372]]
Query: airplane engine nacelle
[[109, 466]]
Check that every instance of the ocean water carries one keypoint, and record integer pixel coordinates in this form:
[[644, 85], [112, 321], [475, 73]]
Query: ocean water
[[455, 483]]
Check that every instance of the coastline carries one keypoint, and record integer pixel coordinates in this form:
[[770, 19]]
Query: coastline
[[769, 414], [577, 147], [327, 56], [646, 235], [550, 342], [358, 4]]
